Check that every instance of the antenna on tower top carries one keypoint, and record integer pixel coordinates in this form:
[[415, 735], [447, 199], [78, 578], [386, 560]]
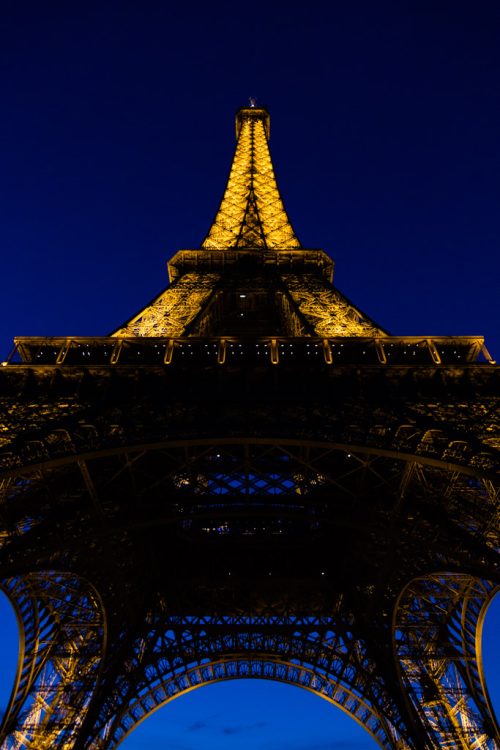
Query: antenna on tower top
[[252, 101]]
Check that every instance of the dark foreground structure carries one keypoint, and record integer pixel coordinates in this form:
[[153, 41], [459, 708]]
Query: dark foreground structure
[[250, 478]]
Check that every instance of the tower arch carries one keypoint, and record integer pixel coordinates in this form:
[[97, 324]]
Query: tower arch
[[217, 659]]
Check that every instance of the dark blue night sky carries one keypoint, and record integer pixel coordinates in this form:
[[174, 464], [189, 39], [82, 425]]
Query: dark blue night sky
[[116, 136]]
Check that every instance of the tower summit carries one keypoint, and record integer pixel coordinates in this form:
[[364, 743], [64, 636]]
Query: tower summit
[[251, 213], [251, 274], [250, 478]]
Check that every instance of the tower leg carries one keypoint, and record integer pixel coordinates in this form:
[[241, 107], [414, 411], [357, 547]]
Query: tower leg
[[438, 644], [62, 632]]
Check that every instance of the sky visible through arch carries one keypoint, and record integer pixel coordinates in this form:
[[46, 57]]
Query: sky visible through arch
[[116, 140], [247, 714]]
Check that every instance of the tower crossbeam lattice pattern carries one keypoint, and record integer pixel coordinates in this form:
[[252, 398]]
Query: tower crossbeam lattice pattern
[[250, 478]]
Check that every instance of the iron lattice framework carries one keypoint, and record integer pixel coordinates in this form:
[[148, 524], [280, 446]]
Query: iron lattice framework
[[250, 478]]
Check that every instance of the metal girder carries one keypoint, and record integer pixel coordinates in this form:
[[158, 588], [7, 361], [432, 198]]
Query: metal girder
[[437, 640], [327, 311], [173, 310], [351, 677], [167, 662], [63, 635]]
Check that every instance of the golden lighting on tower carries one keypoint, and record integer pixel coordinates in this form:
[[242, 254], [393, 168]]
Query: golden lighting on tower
[[251, 213]]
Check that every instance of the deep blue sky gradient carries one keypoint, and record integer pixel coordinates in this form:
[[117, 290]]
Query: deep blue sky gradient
[[117, 134], [115, 143]]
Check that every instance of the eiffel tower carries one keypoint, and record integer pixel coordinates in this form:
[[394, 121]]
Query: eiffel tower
[[250, 478]]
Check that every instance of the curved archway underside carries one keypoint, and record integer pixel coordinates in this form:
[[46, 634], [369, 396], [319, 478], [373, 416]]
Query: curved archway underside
[[175, 655], [400, 653], [299, 651]]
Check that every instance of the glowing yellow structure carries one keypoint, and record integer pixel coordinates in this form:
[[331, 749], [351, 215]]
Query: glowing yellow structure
[[173, 309], [251, 237], [251, 213]]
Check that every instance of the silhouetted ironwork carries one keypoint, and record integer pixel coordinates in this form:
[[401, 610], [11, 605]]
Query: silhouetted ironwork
[[250, 478]]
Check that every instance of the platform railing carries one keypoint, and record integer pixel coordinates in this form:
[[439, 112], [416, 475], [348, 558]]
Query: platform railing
[[232, 350]]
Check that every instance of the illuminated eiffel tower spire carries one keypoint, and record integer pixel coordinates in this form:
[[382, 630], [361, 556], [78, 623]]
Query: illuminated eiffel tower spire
[[251, 213], [251, 275]]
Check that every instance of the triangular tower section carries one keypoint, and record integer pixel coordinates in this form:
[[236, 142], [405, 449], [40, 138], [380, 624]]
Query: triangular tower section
[[250, 287], [251, 213], [251, 276]]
